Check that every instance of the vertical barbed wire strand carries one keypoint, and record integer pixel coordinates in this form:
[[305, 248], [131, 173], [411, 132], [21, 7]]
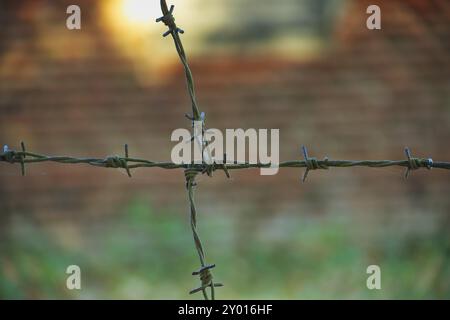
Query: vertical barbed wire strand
[[190, 173]]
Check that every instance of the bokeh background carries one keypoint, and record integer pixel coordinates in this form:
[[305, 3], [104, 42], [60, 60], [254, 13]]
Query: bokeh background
[[308, 67]]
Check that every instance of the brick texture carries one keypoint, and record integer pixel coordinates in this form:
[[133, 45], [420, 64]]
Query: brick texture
[[367, 95]]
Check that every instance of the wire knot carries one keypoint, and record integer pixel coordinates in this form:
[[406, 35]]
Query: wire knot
[[10, 156], [115, 162], [206, 279], [190, 174], [119, 162], [209, 168], [13, 156], [169, 20], [416, 163], [313, 163]]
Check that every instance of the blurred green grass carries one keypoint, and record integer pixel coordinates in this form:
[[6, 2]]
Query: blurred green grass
[[148, 254]]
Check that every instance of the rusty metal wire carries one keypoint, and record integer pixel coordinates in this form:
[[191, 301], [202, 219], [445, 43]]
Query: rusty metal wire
[[24, 157], [410, 163], [169, 21], [191, 172]]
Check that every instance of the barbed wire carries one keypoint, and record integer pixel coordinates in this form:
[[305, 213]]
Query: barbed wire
[[192, 170], [127, 163], [25, 157], [204, 272]]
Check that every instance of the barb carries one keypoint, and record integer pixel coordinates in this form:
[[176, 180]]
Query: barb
[[118, 162], [169, 21], [312, 163], [415, 163], [12, 156]]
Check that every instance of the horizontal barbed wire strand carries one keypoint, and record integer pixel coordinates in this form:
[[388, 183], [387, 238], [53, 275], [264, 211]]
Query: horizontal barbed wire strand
[[134, 163]]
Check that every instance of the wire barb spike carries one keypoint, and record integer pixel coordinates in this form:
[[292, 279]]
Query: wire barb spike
[[312, 163], [169, 20], [126, 161], [416, 163], [224, 166], [22, 158], [206, 280]]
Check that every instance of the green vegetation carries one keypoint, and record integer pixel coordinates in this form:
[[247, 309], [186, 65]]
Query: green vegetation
[[148, 254]]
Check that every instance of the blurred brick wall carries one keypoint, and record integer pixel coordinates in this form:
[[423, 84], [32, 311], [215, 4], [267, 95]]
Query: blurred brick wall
[[367, 96]]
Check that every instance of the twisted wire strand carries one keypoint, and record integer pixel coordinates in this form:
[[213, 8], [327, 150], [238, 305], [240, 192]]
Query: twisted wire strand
[[206, 277], [190, 173], [26, 157], [169, 21]]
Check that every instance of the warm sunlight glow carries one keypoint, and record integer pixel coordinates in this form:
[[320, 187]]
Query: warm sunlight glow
[[132, 28], [141, 11]]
